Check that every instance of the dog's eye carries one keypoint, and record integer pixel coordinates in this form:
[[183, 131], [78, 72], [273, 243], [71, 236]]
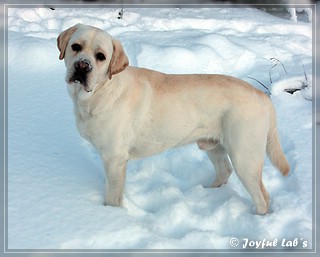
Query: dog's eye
[[76, 47], [100, 56]]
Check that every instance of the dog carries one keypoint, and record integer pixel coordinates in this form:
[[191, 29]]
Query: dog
[[128, 113]]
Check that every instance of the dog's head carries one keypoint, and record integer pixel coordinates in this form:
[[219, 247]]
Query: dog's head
[[91, 56]]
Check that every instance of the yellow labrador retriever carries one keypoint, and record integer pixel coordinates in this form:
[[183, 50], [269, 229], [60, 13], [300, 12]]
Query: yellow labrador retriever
[[128, 113]]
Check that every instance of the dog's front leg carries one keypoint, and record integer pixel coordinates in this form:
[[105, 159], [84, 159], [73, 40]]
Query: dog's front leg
[[115, 169]]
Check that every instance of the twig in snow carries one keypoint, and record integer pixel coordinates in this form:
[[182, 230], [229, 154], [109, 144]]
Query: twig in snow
[[304, 71], [277, 61], [121, 12], [259, 82]]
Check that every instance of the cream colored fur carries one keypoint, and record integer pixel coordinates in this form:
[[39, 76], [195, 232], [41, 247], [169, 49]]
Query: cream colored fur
[[128, 113]]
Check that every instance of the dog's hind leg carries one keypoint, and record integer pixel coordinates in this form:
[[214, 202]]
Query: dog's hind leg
[[247, 156], [219, 158], [250, 174]]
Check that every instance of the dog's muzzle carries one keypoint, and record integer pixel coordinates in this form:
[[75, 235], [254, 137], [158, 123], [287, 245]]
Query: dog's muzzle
[[81, 69]]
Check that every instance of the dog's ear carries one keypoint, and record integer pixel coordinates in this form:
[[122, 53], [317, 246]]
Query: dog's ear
[[119, 60], [63, 40]]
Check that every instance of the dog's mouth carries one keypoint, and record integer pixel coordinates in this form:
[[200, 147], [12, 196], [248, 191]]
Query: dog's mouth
[[80, 78], [77, 80]]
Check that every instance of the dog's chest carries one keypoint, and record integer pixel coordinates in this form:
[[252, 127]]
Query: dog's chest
[[88, 125], [85, 124], [98, 128]]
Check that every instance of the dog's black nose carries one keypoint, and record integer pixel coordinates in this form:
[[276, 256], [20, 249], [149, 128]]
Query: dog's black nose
[[83, 66]]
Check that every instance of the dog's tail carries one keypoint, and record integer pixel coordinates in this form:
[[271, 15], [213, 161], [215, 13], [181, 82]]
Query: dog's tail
[[274, 149]]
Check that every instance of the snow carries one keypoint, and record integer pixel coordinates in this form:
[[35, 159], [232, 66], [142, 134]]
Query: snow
[[56, 179]]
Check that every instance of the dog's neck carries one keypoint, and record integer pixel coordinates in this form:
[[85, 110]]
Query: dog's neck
[[101, 98]]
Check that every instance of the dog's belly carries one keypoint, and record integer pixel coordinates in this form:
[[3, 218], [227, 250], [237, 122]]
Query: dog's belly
[[168, 125], [147, 144]]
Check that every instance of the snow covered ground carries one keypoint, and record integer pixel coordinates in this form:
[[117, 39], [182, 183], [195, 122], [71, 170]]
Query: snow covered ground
[[56, 179]]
